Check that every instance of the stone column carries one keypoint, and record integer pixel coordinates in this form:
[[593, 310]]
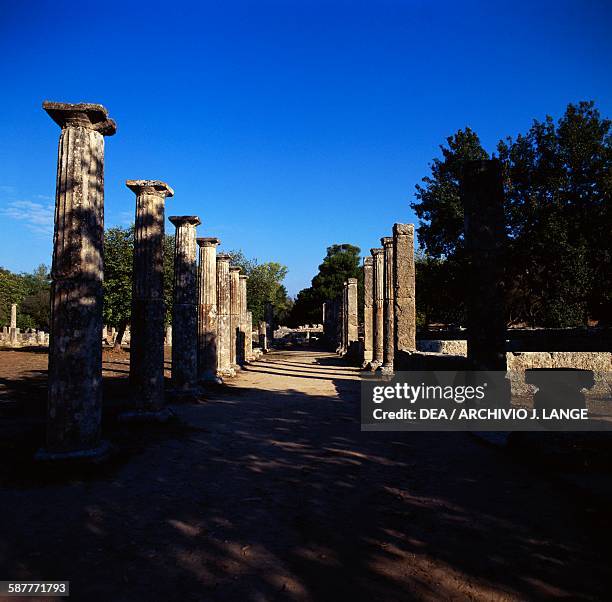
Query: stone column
[[269, 315], [388, 319], [207, 307], [168, 339], [352, 327], [75, 351], [249, 336], [14, 331], [234, 280], [224, 335], [185, 306], [243, 332], [378, 265], [485, 241], [368, 311], [263, 343], [148, 306], [404, 299]]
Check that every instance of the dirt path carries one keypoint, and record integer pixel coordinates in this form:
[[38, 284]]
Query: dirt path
[[272, 492]]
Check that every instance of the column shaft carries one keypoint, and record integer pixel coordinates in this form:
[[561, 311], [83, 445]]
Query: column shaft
[[148, 306], [75, 349], [184, 308], [404, 300], [485, 241], [388, 319], [207, 309], [352, 326], [368, 311], [378, 306], [234, 278], [224, 338]]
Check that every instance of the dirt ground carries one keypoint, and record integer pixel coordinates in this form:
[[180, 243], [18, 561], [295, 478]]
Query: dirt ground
[[266, 489]]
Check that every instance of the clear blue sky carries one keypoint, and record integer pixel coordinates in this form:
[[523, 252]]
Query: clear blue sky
[[286, 126]]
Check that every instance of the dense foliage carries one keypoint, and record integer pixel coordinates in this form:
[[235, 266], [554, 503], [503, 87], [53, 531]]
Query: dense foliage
[[341, 262], [558, 183], [31, 293], [264, 285]]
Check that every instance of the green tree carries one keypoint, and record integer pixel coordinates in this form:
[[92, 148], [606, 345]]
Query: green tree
[[30, 292], [118, 260], [264, 285], [559, 213], [341, 262], [438, 205]]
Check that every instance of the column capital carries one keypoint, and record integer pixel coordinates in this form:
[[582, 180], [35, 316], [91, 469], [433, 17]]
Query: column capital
[[149, 187], [351, 281], [403, 229], [377, 251], [368, 260], [223, 257], [184, 220], [208, 242], [234, 268], [91, 116], [386, 241], [243, 277]]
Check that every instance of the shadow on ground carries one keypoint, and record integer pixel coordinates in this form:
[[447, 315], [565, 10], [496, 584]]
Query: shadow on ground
[[265, 493]]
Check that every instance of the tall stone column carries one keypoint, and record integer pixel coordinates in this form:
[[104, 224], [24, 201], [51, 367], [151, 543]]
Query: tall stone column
[[242, 343], [340, 321], [207, 307], [249, 336], [388, 319], [269, 316], [13, 332], [368, 311], [224, 335], [378, 269], [148, 306], [352, 327], [263, 343], [485, 241], [234, 279], [404, 299], [185, 306], [75, 350]]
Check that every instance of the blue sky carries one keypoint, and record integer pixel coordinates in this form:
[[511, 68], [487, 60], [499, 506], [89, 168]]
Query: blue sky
[[286, 126]]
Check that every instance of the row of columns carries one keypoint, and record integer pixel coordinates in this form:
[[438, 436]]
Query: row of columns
[[211, 324], [389, 300], [389, 316], [389, 281]]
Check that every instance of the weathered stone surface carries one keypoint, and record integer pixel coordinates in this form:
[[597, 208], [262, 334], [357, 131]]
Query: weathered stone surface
[[599, 362], [452, 347], [485, 237], [234, 280], [207, 308], [75, 351], [249, 336], [404, 300], [378, 288], [243, 330], [185, 306], [263, 330], [148, 307], [224, 335], [368, 311], [352, 327], [388, 318]]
